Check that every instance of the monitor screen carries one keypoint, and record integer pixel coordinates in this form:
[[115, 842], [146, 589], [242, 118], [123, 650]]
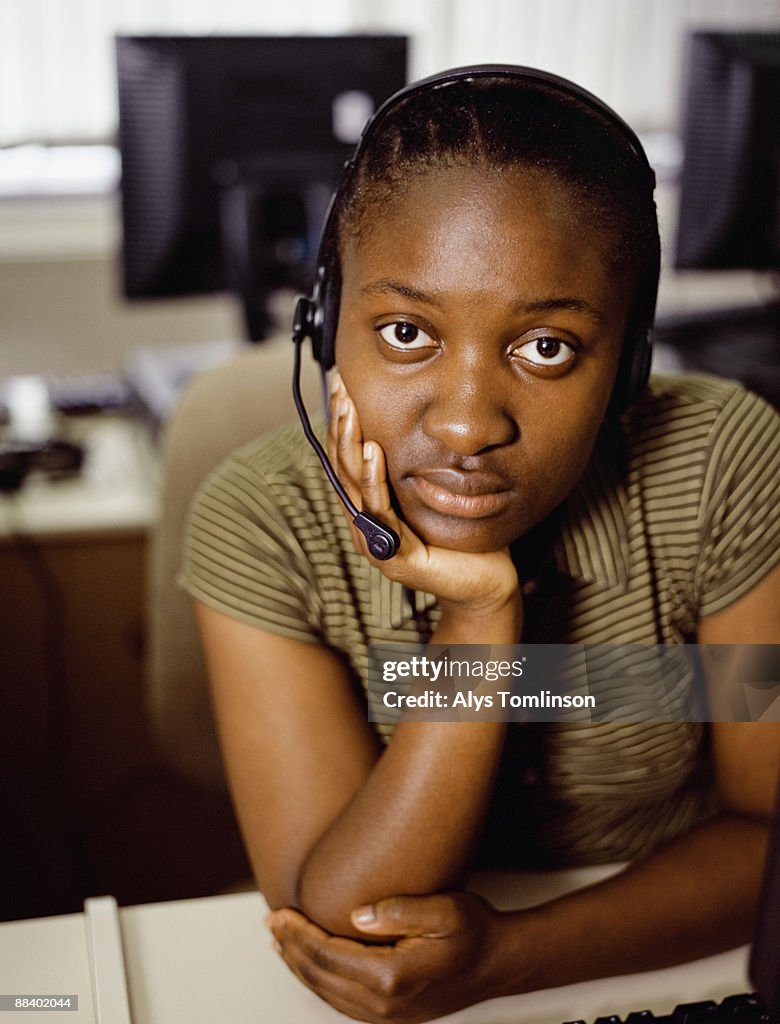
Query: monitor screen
[[730, 195], [230, 149]]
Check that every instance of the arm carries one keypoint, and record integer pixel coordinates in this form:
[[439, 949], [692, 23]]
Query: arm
[[692, 897], [634, 920], [330, 821]]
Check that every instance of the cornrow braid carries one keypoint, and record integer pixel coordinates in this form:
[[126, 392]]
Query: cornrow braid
[[501, 124]]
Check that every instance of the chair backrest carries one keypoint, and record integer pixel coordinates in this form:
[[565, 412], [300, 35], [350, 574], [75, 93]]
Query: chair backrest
[[220, 410]]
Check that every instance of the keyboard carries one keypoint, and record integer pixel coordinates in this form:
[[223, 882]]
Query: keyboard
[[82, 393], [739, 1009]]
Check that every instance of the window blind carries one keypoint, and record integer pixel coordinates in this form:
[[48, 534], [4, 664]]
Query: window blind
[[57, 58]]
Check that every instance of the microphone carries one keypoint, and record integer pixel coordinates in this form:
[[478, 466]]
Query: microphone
[[383, 542]]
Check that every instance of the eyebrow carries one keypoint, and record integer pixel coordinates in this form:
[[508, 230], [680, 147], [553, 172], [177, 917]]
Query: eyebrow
[[383, 285], [386, 285], [566, 303]]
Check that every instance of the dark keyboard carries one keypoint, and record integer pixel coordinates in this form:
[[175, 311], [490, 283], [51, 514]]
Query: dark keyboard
[[742, 1009]]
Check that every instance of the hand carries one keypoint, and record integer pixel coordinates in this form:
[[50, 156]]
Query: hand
[[442, 955], [478, 583]]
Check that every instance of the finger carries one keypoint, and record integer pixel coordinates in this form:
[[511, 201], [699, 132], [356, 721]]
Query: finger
[[374, 486], [321, 957], [395, 980], [408, 916], [333, 414], [350, 444], [337, 409], [342, 993], [345, 439]]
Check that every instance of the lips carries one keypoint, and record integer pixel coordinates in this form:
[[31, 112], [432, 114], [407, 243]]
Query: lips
[[470, 495]]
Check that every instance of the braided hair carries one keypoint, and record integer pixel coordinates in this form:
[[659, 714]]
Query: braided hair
[[502, 124]]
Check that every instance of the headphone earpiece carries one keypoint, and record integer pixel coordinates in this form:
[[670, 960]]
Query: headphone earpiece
[[303, 325], [634, 369], [317, 317], [328, 297], [640, 369]]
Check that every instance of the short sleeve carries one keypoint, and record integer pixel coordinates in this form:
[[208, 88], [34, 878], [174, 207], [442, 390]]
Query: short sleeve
[[241, 555], [739, 516]]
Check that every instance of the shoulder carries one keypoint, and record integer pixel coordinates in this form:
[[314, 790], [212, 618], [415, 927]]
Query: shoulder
[[281, 454], [277, 470], [265, 537], [268, 503], [688, 399], [690, 419], [703, 459]]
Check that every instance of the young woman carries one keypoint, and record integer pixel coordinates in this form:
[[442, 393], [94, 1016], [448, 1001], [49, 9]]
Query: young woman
[[490, 267]]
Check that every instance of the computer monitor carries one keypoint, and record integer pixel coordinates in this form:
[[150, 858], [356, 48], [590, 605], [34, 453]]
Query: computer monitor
[[730, 196], [729, 213], [230, 149]]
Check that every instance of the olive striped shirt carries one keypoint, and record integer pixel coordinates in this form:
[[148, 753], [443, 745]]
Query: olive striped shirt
[[675, 518]]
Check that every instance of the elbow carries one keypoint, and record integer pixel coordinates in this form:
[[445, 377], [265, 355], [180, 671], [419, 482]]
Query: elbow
[[330, 897], [331, 910], [327, 905], [277, 895]]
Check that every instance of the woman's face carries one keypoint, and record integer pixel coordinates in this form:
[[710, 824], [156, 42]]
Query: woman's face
[[479, 337]]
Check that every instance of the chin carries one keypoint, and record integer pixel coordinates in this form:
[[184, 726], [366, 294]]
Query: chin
[[466, 535]]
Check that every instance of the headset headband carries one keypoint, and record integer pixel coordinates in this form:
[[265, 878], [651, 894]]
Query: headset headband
[[468, 73]]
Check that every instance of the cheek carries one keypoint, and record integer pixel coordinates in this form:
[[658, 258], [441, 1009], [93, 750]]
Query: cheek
[[385, 411], [555, 447]]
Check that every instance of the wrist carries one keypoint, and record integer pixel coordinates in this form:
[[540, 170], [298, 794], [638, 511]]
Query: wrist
[[495, 620], [509, 965], [543, 947]]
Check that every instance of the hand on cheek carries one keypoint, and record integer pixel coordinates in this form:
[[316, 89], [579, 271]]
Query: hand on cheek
[[477, 582], [345, 440], [361, 466]]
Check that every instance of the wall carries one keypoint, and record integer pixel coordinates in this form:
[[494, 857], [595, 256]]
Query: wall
[[61, 309], [60, 300]]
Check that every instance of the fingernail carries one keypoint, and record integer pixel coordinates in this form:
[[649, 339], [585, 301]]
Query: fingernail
[[364, 916], [335, 383], [369, 451]]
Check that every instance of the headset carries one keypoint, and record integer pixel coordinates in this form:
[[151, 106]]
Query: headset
[[316, 316]]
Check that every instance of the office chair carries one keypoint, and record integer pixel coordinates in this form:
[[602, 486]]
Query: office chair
[[220, 410]]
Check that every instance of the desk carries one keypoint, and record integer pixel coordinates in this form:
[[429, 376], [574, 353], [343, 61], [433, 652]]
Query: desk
[[116, 493], [209, 960], [72, 589]]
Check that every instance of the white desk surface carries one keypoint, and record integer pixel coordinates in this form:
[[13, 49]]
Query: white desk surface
[[116, 492], [210, 960]]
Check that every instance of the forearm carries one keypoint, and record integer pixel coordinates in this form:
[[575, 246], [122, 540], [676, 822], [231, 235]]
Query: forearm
[[693, 897], [412, 826]]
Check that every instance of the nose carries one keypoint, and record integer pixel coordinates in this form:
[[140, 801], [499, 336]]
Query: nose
[[468, 409]]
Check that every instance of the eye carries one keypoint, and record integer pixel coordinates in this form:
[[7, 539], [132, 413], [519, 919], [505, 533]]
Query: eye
[[402, 335], [545, 351]]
